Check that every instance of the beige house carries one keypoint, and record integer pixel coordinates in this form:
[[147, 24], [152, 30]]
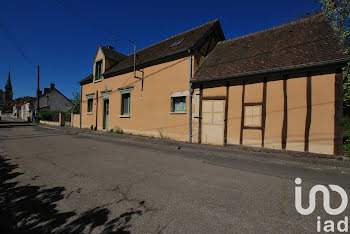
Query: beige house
[[155, 100], [280, 88]]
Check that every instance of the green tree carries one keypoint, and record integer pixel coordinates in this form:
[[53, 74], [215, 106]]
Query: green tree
[[338, 13], [76, 103]]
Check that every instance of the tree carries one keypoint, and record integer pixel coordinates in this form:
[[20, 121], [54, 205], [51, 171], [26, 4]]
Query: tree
[[338, 13], [76, 103]]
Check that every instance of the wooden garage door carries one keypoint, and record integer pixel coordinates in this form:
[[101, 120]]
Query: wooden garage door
[[213, 122]]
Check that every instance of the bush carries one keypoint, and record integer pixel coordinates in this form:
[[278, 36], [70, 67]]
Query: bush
[[49, 115], [118, 130], [346, 148]]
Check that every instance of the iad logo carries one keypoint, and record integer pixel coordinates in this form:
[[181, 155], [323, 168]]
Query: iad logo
[[326, 199], [329, 225]]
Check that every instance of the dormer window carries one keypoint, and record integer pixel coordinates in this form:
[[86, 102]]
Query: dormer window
[[98, 70]]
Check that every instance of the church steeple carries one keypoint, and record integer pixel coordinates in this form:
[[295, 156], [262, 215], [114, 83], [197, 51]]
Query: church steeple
[[8, 96], [8, 83]]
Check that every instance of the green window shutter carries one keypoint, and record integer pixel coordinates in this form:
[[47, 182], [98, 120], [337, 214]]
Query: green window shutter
[[172, 105]]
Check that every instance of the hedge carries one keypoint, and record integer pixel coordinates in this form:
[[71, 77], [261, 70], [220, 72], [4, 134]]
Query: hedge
[[49, 115]]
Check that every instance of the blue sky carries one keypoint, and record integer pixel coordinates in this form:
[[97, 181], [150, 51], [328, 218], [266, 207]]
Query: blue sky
[[64, 45]]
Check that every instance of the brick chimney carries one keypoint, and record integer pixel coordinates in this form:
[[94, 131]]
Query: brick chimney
[[52, 86]]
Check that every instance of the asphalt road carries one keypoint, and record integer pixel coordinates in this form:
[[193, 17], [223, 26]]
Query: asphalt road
[[66, 180]]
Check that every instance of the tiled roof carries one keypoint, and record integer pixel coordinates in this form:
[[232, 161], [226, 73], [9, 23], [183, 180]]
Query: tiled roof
[[112, 54], [187, 40], [308, 41], [86, 80], [164, 49]]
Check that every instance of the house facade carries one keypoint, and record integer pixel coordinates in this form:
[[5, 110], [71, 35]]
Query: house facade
[[153, 100], [51, 99], [280, 88]]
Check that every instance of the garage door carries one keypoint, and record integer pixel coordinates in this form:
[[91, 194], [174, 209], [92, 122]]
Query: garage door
[[213, 122]]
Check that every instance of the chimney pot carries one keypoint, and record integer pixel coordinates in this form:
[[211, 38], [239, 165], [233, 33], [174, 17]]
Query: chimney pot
[[52, 86]]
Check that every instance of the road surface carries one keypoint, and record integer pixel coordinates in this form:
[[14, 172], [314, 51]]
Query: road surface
[[67, 180]]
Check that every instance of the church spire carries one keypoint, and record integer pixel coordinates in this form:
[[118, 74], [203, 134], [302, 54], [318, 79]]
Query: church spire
[[8, 83]]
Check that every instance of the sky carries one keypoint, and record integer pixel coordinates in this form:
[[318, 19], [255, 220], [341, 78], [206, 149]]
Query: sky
[[64, 44]]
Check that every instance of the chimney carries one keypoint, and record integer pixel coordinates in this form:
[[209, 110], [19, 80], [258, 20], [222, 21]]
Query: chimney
[[46, 90], [110, 47], [40, 93], [52, 86]]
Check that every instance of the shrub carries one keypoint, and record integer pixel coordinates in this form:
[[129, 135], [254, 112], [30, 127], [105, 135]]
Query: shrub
[[49, 115], [118, 130], [346, 148]]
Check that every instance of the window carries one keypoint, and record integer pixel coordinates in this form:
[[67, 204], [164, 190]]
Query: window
[[125, 102], [252, 116], [98, 70], [176, 43], [89, 104], [178, 104]]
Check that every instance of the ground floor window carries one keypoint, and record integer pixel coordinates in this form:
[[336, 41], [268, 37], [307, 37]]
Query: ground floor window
[[252, 116], [178, 104], [90, 101], [125, 102]]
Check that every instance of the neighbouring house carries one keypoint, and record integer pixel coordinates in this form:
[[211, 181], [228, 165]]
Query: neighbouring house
[[16, 110], [154, 102], [52, 99], [280, 88], [22, 107]]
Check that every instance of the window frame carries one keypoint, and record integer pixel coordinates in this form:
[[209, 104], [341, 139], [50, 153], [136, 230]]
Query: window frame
[[172, 105], [90, 98], [124, 93], [260, 117], [98, 62]]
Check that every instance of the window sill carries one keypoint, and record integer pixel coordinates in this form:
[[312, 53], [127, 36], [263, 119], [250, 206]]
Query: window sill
[[179, 112], [96, 81], [89, 113], [124, 116]]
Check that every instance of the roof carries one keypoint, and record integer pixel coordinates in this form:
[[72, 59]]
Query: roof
[[309, 42], [177, 45], [112, 54], [54, 89], [86, 80]]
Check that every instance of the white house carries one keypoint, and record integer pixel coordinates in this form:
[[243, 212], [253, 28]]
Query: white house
[[52, 99]]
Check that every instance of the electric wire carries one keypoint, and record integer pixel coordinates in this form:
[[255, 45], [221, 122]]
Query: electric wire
[[15, 44]]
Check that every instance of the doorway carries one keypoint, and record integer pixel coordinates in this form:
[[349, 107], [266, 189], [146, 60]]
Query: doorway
[[213, 122], [105, 113]]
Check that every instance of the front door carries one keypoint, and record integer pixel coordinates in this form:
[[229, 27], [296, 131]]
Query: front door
[[213, 122], [105, 113]]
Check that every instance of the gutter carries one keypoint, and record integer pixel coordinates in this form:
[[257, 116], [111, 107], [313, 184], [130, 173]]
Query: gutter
[[243, 75]]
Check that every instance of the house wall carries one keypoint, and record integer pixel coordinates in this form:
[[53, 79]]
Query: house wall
[[55, 101], [149, 109], [321, 130]]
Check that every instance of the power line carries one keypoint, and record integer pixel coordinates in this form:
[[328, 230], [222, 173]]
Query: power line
[[15, 44], [65, 6]]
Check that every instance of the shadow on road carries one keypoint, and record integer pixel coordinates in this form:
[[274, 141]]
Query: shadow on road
[[32, 209]]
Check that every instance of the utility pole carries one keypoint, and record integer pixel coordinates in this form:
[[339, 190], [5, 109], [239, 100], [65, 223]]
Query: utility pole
[[38, 94]]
